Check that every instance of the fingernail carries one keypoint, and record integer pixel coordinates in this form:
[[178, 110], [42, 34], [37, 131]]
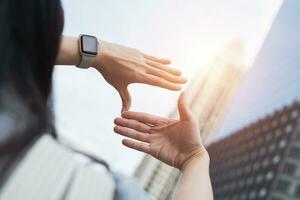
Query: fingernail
[[115, 129], [178, 88], [178, 70], [123, 113], [116, 120]]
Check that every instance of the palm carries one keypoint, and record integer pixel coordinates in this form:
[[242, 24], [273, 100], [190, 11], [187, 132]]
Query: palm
[[171, 141]]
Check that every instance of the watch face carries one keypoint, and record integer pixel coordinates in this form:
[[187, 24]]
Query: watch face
[[89, 44]]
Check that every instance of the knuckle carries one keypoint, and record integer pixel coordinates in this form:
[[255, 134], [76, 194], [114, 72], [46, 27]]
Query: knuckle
[[136, 135], [142, 65], [136, 75], [143, 77], [163, 74], [152, 130], [127, 123], [156, 81], [140, 127]]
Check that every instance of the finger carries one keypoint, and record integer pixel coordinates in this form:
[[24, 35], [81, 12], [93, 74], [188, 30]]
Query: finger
[[171, 70], [137, 145], [165, 75], [126, 98], [144, 118], [133, 124], [160, 82], [160, 60], [183, 108], [127, 132]]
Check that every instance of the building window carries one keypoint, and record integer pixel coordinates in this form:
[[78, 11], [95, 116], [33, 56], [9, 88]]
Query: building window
[[263, 192], [272, 147], [262, 151], [283, 119], [295, 152], [265, 162], [266, 127], [294, 114], [276, 159], [268, 137], [282, 186], [278, 133], [259, 178], [274, 123], [252, 194], [276, 198], [282, 143], [289, 169], [288, 129], [269, 175], [297, 191]]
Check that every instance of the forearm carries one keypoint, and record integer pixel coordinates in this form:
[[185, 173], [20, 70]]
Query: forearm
[[68, 52], [195, 181]]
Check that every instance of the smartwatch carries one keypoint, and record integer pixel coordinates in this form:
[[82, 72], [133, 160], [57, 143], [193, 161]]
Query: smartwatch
[[88, 49]]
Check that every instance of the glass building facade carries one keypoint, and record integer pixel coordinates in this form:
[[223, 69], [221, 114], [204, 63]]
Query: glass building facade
[[259, 161], [274, 79]]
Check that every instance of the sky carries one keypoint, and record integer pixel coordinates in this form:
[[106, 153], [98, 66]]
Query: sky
[[190, 33]]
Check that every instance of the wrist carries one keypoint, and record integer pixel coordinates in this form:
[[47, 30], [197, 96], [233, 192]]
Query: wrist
[[98, 61], [88, 49], [199, 156]]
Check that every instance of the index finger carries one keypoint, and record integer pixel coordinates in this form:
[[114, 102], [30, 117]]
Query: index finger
[[160, 60], [160, 82], [170, 70], [144, 117]]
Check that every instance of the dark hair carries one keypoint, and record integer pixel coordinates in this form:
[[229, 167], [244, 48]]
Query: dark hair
[[30, 32]]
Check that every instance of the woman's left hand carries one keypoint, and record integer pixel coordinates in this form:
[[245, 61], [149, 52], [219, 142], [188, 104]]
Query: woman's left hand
[[175, 142], [121, 66]]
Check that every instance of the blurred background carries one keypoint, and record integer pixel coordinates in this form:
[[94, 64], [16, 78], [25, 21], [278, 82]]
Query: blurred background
[[241, 61]]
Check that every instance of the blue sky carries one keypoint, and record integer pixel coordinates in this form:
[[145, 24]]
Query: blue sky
[[188, 32]]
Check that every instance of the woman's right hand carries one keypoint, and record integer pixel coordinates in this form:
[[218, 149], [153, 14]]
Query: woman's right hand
[[175, 142], [121, 66]]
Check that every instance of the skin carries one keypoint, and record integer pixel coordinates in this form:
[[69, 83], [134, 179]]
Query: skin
[[121, 66], [174, 142]]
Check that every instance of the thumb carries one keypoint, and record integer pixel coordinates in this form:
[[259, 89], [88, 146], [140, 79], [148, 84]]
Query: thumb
[[126, 98], [183, 108]]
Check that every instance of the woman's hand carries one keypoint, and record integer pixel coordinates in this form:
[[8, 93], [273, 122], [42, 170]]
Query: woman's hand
[[175, 142], [121, 66]]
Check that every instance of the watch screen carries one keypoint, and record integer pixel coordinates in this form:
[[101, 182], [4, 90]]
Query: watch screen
[[89, 44]]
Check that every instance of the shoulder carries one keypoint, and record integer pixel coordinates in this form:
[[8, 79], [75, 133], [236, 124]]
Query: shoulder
[[51, 171]]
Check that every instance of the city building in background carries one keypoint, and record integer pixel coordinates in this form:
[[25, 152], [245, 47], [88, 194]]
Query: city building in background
[[211, 96], [259, 161], [273, 81], [262, 158], [209, 99]]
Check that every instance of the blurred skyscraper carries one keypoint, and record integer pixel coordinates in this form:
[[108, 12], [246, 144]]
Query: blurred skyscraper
[[272, 82], [274, 79], [209, 98], [260, 161]]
